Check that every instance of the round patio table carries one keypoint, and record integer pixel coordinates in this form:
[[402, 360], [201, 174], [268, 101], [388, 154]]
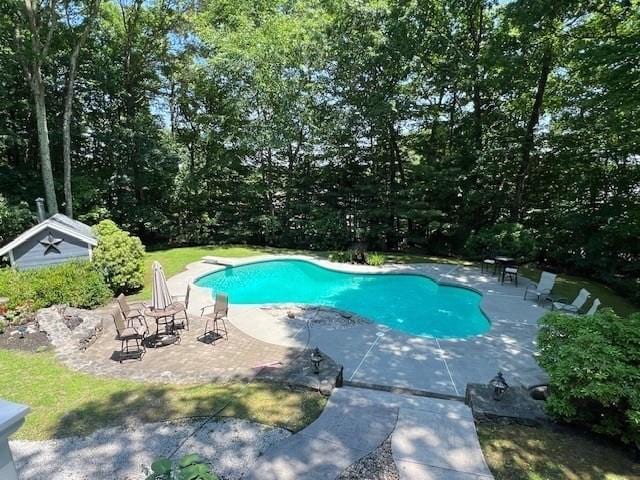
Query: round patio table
[[166, 318]]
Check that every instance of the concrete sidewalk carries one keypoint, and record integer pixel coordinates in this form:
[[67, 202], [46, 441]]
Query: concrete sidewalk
[[432, 439]]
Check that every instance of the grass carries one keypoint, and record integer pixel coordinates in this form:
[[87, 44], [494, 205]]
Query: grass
[[174, 260], [568, 286], [516, 452], [65, 403]]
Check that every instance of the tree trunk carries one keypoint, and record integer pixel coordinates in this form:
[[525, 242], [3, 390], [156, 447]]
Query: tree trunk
[[66, 132], [68, 107], [527, 141], [477, 99], [33, 72], [37, 87]]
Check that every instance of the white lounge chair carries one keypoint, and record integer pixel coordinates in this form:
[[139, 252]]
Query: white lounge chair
[[594, 307], [575, 306], [543, 288]]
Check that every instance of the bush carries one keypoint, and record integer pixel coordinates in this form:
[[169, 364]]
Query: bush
[[190, 467], [594, 368], [119, 256], [510, 239], [375, 259], [340, 256], [77, 284]]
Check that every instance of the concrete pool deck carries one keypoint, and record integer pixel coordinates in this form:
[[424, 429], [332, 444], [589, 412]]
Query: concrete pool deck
[[374, 354]]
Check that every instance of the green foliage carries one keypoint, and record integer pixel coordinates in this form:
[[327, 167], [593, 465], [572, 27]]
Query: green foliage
[[119, 256], [510, 239], [13, 220], [375, 259], [594, 367], [3, 325], [306, 124], [189, 467], [78, 284], [340, 256]]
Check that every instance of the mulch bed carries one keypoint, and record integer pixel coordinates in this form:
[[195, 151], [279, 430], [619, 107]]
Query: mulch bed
[[32, 342]]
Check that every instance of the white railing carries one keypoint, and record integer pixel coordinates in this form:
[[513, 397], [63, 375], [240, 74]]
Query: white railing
[[11, 419]]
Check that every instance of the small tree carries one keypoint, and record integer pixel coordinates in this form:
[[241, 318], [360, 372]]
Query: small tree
[[594, 367], [119, 256]]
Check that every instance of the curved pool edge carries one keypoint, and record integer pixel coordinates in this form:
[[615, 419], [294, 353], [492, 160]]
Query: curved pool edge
[[338, 267]]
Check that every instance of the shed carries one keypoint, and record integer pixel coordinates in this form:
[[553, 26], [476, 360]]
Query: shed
[[57, 239]]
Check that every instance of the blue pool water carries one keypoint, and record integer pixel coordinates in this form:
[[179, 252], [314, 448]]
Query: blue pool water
[[411, 303]]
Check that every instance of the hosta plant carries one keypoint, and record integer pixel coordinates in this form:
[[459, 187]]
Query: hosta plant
[[189, 467]]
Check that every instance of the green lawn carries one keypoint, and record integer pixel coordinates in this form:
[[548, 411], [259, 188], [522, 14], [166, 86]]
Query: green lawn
[[174, 260], [516, 452], [568, 286], [64, 402]]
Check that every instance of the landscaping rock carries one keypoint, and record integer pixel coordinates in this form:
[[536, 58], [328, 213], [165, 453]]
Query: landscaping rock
[[378, 465], [516, 406], [70, 328], [327, 317]]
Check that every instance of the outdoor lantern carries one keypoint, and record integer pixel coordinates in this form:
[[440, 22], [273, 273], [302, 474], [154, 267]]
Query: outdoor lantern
[[316, 358], [499, 386], [21, 331]]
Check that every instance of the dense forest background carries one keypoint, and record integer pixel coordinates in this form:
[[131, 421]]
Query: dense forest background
[[316, 123]]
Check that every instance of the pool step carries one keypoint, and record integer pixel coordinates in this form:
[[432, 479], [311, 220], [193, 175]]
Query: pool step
[[403, 390]]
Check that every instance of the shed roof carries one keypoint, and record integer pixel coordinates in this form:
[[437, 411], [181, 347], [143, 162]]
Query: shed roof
[[59, 222]]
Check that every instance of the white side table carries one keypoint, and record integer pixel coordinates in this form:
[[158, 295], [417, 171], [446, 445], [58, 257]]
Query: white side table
[[11, 419]]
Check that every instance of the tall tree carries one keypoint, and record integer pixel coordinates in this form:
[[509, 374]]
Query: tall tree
[[39, 20], [87, 21]]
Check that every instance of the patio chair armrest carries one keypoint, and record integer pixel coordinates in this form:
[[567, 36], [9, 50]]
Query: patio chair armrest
[[205, 308]]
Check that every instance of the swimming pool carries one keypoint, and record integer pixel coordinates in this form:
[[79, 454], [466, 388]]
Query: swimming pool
[[411, 303]]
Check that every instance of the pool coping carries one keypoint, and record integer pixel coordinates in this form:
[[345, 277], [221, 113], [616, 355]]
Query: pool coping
[[329, 265]]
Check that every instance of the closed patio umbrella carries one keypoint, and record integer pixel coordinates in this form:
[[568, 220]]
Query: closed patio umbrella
[[160, 296]]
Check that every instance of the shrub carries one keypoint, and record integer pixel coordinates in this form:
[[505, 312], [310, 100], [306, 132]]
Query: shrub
[[119, 256], [78, 284], [594, 368], [190, 467], [340, 256], [375, 259], [510, 239]]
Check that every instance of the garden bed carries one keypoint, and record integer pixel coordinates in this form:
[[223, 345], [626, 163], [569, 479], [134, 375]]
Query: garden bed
[[26, 338]]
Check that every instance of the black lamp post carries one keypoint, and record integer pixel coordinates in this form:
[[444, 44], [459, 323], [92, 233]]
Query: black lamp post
[[316, 358], [499, 386]]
